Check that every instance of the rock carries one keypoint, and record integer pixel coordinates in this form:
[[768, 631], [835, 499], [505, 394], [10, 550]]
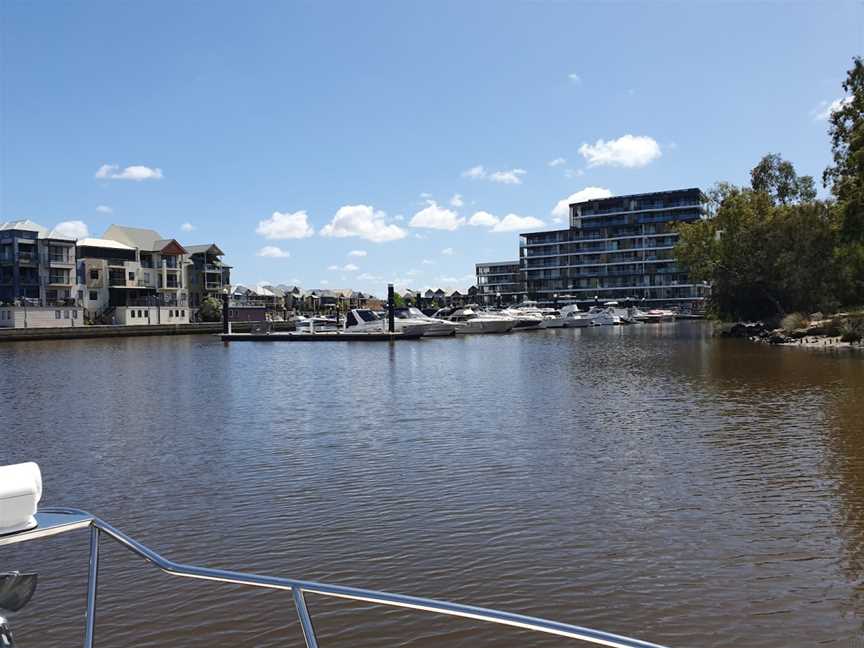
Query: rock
[[778, 338], [815, 317], [797, 334]]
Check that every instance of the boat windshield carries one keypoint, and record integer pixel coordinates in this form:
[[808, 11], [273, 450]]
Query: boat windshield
[[367, 315]]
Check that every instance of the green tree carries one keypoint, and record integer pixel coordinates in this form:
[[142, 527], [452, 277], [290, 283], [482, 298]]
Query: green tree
[[210, 310], [845, 177], [777, 178]]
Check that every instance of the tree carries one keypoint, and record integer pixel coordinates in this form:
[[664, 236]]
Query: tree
[[777, 178], [210, 310], [846, 181]]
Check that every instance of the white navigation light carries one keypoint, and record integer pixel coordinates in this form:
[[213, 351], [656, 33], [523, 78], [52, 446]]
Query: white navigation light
[[20, 492]]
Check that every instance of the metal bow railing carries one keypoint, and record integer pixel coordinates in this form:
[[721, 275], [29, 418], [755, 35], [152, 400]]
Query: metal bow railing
[[59, 520]]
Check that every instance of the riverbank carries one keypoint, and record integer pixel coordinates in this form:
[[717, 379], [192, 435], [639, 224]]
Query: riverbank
[[840, 331], [112, 331]]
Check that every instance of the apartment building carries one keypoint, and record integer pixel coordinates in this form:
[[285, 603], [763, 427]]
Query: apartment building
[[207, 274], [499, 282]]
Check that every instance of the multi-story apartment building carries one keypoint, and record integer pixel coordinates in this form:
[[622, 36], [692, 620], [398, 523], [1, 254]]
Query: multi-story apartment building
[[108, 274], [615, 248], [207, 275], [499, 283], [161, 269]]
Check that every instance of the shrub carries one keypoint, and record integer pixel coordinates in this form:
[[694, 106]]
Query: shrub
[[852, 329], [792, 322]]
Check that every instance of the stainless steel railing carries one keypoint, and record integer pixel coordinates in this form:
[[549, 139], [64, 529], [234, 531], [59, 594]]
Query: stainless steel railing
[[60, 520]]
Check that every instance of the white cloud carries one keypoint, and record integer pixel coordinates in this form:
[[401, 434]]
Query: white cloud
[[363, 221], [135, 172], [514, 222], [513, 176], [556, 162], [562, 207], [434, 217], [627, 151], [825, 109], [427, 262], [447, 251], [575, 78], [104, 209], [425, 195], [483, 219], [74, 229], [348, 267], [282, 226], [479, 172], [456, 200], [574, 173], [324, 282], [273, 252], [475, 172], [399, 217], [357, 253], [187, 227], [368, 277], [333, 267], [413, 273]]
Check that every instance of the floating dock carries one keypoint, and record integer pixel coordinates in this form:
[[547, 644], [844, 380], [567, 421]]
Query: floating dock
[[336, 336]]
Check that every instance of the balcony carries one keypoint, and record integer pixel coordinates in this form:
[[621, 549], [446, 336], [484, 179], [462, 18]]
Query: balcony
[[28, 258], [210, 267], [213, 285]]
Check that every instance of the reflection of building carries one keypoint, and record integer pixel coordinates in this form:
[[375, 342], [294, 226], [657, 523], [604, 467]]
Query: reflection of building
[[502, 279], [207, 275], [615, 248]]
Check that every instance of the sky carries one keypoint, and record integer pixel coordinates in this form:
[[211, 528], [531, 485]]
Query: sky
[[352, 144]]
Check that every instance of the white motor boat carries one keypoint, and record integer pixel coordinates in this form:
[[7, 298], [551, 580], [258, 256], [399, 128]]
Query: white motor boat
[[527, 315], [315, 324], [473, 322], [655, 315], [569, 317], [437, 327], [363, 320], [600, 316]]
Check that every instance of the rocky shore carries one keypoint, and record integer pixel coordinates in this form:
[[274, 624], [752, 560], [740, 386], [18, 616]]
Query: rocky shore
[[840, 331]]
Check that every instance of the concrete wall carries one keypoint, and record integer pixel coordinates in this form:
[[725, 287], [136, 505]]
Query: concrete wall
[[151, 315], [40, 317]]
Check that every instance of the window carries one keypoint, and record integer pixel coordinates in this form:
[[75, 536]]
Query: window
[[57, 315], [367, 315], [74, 314], [65, 314], [140, 313], [131, 276], [94, 274], [183, 313], [94, 296], [350, 320]]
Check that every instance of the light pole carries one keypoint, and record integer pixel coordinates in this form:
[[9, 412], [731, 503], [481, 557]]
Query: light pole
[[498, 299]]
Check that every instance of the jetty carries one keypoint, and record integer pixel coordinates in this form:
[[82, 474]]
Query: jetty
[[330, 336]]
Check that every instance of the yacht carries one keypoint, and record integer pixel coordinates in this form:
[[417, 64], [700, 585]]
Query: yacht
[[437, 327], [528, 315], [363, 320], [315, 324], [601, 316], [655, 315], [569, 317], [22, 520], [474, 322]]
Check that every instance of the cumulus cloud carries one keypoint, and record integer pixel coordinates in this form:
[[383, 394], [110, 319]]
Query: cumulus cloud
[[562, 207], [513, 176], [273, 252], [447, 251], [348, 267], [282, 226], [357, 253], [74, 229], [104, 209], [483, 219], [575, 78], [368, 277], [427, 262], [435, 217], [323, 282], [556, 162], [825, 109], [456, 200], [363, 221], [135, 172], [627, 151], [514, 222], [187, 227], [479, 172]]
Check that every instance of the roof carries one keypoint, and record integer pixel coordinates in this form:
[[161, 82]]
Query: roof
[[103, 243], [25, 225], [212, 248], [143, 239]]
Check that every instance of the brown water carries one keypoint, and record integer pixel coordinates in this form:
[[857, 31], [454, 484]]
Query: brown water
[[647, 480]]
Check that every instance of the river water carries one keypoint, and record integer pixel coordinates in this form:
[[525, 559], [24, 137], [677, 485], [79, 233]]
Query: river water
[[646, 480]]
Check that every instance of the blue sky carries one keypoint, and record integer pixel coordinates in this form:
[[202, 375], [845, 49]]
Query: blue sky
[[309, 130]]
